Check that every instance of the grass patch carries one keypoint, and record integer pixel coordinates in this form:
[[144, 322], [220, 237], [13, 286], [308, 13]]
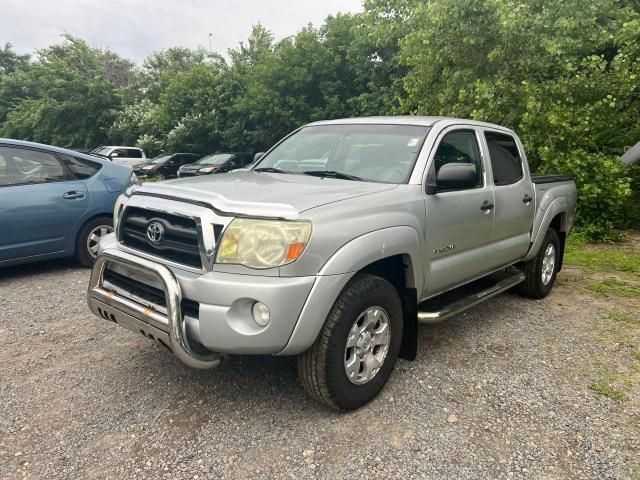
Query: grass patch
[[620, 316], [610, 384], [604, 388], [612, 287], [621, 257]]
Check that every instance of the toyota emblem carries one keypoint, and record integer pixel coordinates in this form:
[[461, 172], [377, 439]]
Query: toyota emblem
[[155, 232]]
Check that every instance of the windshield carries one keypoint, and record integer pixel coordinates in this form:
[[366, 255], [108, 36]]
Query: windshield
[[377, 153], [160, 159], [215, 159], [102, 150]]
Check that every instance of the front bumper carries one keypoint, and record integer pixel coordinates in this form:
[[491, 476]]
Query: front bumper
[[188, 173], [223, 322], [169, 330]]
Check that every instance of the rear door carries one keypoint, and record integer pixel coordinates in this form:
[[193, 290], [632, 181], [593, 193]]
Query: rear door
[[514, 204], [40, 202], [459, 222]]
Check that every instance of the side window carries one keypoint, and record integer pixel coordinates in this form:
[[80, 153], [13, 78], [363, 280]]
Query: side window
[[120, 153], [81, 168], [460, 146], [505, 158], [133, 153], [26, 166]]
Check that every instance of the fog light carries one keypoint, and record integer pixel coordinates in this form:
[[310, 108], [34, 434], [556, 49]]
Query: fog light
[[261, 314]]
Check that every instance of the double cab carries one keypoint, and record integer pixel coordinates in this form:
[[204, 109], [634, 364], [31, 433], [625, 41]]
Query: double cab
[[333, 246]]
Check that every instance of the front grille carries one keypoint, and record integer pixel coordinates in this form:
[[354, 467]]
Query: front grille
[[147, 292], [180, 240]]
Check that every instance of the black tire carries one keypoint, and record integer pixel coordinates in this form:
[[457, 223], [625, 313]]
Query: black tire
[[533, 285], [321, 369], [83, 254]]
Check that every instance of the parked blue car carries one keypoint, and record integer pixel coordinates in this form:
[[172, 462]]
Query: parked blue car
[[55, 202]]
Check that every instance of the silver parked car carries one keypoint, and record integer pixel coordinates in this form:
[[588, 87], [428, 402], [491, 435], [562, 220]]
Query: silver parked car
[[333, 246]]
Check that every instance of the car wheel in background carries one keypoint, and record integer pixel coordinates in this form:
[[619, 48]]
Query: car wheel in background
[[89, 237]]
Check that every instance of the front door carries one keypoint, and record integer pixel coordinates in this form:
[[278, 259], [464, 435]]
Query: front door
[[459, 222], [40, 202]]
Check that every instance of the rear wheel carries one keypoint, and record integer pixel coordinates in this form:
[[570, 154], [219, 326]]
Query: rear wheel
[[357, 349], [540, 272], [89, 237]]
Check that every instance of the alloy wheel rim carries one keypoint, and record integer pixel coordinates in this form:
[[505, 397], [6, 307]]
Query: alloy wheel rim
[[94, 238], [548, 263], [367, 345]]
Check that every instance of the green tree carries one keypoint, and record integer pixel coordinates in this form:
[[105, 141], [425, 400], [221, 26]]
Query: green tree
[[562, 73], [10, 61]]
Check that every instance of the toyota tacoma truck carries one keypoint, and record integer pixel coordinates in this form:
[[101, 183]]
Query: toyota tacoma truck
[[333, 246]]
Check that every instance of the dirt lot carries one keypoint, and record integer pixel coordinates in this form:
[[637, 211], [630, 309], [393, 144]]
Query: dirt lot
[[512, 389]]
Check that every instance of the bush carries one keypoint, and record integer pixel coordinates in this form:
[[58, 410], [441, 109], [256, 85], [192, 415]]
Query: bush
[[603, 186]]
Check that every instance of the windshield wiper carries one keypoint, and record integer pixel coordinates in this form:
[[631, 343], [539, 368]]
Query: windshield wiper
[[269, 170], [332, 174]]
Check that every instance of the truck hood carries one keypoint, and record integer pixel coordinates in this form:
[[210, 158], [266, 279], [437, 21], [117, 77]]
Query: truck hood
[[244, 192]]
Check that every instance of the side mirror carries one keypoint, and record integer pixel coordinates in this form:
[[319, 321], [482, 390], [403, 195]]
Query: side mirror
[[114, 154], [454, 176], [258, 156]]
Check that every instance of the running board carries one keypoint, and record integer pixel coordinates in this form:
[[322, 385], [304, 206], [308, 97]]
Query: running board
[[462, 298]]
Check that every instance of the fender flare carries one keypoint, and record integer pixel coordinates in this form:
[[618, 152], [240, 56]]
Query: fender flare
[[377, 245], [341, 267], [558, 206]]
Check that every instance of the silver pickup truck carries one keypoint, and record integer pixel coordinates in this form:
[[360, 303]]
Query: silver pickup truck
[[333, 246]]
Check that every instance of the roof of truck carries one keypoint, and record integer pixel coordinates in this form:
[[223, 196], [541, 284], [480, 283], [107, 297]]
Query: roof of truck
[[426, 121]]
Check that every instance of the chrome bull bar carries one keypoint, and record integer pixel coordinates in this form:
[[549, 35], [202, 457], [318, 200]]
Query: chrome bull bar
[[170, 330]]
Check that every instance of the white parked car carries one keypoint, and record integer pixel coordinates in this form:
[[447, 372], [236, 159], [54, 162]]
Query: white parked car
[[123, 155]]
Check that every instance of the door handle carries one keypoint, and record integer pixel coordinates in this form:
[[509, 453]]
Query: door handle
[[527, 198], [486, 206], [73, 196]]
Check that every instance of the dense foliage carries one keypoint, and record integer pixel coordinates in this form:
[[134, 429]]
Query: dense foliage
[[562, 73]]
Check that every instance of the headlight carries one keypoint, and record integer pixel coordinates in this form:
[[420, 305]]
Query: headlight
[[148, 167], [207, 169], [117, 209], [258, 243]]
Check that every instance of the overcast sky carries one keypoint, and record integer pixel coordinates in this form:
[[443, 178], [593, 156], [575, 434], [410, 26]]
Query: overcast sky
[[135, 28]]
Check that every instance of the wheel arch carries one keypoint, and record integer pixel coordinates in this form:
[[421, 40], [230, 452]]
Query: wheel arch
[[393, 254], [556, 217]]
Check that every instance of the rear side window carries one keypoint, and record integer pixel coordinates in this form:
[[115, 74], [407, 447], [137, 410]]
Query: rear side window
[[133, 153], [81, 169], [505, 158], [21, 166], [460, 146]]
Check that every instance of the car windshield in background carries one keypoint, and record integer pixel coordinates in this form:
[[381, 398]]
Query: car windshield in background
[[376, 153], [216, 159], [160, 159], [101, 150]]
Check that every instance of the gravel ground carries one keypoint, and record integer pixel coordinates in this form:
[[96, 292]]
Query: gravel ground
[[499, 392]]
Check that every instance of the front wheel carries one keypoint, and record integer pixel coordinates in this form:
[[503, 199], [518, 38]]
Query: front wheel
[[540, 272], [358, 346], [89, 237]]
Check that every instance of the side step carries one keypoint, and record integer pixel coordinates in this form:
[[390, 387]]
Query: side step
[[462, 298]]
